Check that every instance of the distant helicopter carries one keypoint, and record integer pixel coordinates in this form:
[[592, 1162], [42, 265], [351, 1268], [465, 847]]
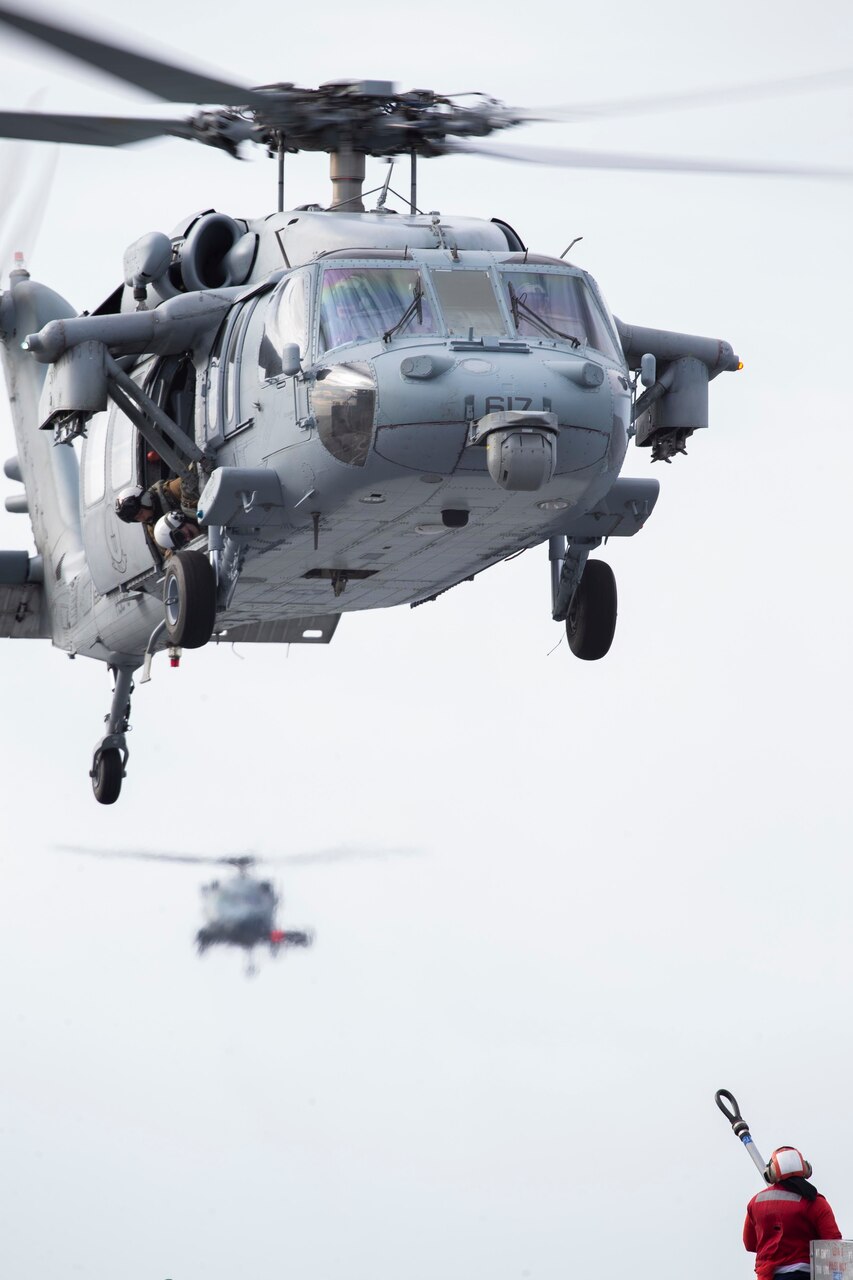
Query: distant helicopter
[[375, 406], [239, 911]]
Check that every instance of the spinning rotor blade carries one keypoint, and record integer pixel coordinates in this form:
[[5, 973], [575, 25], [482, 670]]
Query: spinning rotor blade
[[148, 855], [568, 158], [29, 177], [92, 131], [573, 113], [325, 856], [321, 858], [164, 80]]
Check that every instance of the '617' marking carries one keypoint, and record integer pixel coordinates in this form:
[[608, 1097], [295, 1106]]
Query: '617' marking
[[501, 404]]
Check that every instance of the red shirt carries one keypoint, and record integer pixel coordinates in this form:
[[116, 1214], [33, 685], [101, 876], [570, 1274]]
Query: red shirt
[[780, 1225]]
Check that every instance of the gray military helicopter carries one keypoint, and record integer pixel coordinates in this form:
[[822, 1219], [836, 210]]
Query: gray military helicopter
[[374, 405], [239, 911]]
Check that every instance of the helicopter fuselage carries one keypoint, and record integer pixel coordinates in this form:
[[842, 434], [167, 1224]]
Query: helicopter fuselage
[[405, 454], [376, 407], [238, 912]]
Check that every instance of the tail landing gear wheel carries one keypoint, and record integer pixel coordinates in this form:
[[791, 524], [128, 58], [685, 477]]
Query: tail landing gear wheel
[[591, 620], [189, 599], [107, 773]]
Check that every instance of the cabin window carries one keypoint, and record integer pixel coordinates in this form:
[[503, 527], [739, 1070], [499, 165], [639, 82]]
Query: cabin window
[[286, 321], [557, 306], [121, 452], [95, 459], [469, 303], [361, 304]]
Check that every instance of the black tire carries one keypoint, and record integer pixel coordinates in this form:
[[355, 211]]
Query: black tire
[[591, 621], [189, 599], [107, 774]]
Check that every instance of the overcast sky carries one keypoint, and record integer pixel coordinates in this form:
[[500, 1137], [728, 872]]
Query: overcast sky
[[628, 883]]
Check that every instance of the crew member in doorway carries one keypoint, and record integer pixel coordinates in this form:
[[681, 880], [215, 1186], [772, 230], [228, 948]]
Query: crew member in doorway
[[173, 531], [147, 506], [782, 1220]]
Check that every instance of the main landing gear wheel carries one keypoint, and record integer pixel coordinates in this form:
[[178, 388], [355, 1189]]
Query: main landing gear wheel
[[189, 599], [591, 621], [107, 774]]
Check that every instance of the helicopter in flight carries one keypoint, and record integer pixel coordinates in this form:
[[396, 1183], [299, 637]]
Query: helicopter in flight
[[239, 910], [368, 406]]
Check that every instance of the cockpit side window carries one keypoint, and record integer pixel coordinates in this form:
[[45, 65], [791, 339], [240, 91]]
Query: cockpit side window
[[232, 361], [361, 304], [286, 321], [546, 304]]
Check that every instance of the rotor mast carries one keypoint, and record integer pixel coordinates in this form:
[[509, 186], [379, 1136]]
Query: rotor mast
[[346, 170]]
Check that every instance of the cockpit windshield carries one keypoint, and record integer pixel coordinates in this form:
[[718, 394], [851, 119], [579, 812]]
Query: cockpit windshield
[[546, 304], [469, 303], [360, 304]]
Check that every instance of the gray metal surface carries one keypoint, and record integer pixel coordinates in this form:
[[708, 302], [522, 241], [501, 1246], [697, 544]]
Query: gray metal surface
[[312, 629], [831, 1259]]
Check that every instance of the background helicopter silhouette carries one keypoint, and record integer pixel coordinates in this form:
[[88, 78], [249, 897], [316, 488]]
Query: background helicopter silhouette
[[350, 120], [241, 910]]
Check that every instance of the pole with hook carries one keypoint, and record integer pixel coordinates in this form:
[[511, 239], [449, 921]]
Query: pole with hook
[[739, 1126]]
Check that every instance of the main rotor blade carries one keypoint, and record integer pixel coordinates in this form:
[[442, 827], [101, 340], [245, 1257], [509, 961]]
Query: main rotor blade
[[92, 131], [573, 113], [320, 857], [29, 178], [568, 158], [144, 855], [344, 854], [165, 80]]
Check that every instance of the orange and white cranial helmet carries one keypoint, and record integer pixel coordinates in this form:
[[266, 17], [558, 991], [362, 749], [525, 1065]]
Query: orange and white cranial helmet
[[787, 1162]]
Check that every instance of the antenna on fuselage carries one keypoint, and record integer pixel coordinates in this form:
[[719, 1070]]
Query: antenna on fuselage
[[383, 194]]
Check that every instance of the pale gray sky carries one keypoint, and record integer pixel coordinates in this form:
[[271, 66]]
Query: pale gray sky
[[634, 880]]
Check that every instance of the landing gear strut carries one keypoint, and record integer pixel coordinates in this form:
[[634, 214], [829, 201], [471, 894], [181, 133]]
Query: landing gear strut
[[111, 754], [583, 596]]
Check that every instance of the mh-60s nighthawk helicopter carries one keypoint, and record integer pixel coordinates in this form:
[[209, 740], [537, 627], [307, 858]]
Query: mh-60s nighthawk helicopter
[[375, 406], [240, 910]]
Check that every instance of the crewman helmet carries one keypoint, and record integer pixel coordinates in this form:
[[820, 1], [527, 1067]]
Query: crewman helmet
[[130, 502], [174, 530], [787, 1162]]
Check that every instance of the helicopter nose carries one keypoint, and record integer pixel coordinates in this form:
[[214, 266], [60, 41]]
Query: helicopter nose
[[527, 415]]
